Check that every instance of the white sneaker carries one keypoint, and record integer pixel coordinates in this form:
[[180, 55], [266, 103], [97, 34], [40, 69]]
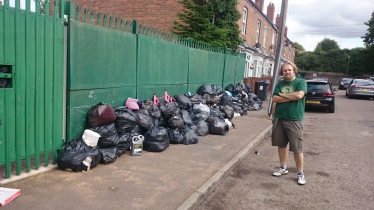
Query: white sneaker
[[280, 172], [301, 179]]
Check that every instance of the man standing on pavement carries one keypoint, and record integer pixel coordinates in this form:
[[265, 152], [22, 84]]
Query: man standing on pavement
[[289, 96]]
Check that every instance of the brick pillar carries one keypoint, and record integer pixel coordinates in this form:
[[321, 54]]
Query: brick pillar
[[277, 20], [260, 4], [270, 12]]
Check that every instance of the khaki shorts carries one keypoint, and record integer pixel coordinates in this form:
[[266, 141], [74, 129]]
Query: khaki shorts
[[288, 131]]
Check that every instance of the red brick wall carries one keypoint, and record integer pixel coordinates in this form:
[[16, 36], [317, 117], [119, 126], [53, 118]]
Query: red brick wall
[[253, 17], [288, 52], [159, 14]]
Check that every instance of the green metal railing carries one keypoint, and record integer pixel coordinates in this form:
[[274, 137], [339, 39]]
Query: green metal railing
[[31, 48], [108, 60]]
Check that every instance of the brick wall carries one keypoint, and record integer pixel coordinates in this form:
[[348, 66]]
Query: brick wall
[[252, 18], [159, 14]]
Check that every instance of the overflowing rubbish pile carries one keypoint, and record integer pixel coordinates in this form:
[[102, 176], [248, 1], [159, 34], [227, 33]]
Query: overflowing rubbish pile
[[152, 125]]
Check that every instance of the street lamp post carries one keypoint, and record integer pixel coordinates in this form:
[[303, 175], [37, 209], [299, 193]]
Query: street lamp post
[[346, 75]]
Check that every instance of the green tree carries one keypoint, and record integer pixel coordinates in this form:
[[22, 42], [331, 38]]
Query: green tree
[[210, 21], [356, 62], [307, 61], [368, 39], [369, 35], [226, 17], [298, 47], [327, 45]]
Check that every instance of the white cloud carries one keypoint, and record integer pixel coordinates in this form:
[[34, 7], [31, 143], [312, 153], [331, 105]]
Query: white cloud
[[310, 21]]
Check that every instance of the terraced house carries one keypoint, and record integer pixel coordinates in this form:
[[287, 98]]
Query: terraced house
[[258, 30]]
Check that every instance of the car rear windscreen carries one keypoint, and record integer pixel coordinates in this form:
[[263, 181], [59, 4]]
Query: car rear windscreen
[[318, 87], [365, 82]]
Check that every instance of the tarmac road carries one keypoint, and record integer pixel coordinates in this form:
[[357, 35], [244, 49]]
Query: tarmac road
[[339, 170]]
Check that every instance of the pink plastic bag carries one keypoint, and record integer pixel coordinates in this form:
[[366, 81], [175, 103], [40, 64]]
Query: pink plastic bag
[[132, 104]]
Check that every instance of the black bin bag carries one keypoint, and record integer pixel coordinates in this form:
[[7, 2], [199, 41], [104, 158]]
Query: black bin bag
[[176, 122], [125, 120], [156, 139], [74, 153], [189, 136], [176, 135], [202, 128], [218, 126], [108, 155], [108, 133], [145, 120]]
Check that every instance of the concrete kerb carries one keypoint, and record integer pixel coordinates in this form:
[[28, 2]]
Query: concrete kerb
[[24, 175], [197, 197]]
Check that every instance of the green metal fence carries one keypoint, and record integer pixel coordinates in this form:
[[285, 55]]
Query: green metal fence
[[31, 112], [108, 60], [112, 59]]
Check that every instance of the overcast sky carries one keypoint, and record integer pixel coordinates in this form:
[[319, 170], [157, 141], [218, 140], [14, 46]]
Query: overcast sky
[[310, 21]]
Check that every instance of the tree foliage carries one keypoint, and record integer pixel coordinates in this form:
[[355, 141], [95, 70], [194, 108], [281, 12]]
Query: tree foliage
[[327, 57], [369, 35], [298, 47], [327, 45], [210, 21]]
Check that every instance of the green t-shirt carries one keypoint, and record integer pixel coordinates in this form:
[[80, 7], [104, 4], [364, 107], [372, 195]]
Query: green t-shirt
[[292, 110]]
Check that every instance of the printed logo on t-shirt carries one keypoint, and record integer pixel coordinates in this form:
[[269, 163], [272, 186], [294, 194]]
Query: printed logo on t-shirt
[[287, 89]]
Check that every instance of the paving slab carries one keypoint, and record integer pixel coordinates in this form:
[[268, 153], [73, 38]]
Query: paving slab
[[178, 178]]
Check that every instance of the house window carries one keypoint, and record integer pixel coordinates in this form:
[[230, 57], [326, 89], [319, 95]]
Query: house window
[[271, 69], [258, 31], [266, 70], [258, 67], [254, 73], [273, 41], [248, 66], [265, 35], [244, 25]]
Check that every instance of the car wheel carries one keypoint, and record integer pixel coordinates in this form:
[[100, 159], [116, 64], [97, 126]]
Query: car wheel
[[332, 109], [349, 96]]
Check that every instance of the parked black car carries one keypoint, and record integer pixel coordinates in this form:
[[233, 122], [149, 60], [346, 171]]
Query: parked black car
[[344, 83], [320, 78], [320, 94]]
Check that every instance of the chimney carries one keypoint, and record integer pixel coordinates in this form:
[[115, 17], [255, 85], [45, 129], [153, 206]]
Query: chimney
[[285, 31], [259, 4], [277, 20], [270, 12]]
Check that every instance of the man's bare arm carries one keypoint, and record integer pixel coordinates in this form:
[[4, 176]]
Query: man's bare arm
[[293, 96], [280, 99]]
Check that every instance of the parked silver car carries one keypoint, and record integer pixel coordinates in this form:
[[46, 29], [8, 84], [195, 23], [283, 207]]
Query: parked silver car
[[360, 88]]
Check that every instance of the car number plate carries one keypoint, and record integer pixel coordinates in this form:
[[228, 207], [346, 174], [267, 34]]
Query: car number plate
[[364, 89], [312, 102]]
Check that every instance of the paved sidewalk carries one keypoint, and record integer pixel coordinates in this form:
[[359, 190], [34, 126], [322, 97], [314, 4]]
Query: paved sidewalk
[[178, 178]]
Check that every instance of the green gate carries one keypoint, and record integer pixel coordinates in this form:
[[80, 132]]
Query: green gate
[[107, 60], [31, 85]]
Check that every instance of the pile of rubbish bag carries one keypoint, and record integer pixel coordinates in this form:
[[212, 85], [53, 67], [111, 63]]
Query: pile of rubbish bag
[[180, 119]]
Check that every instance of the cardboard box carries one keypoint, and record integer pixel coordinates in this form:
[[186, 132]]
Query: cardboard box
[[8, 194]]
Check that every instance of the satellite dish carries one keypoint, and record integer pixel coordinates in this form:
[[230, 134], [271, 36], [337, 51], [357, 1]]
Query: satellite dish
[[258, 45]]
